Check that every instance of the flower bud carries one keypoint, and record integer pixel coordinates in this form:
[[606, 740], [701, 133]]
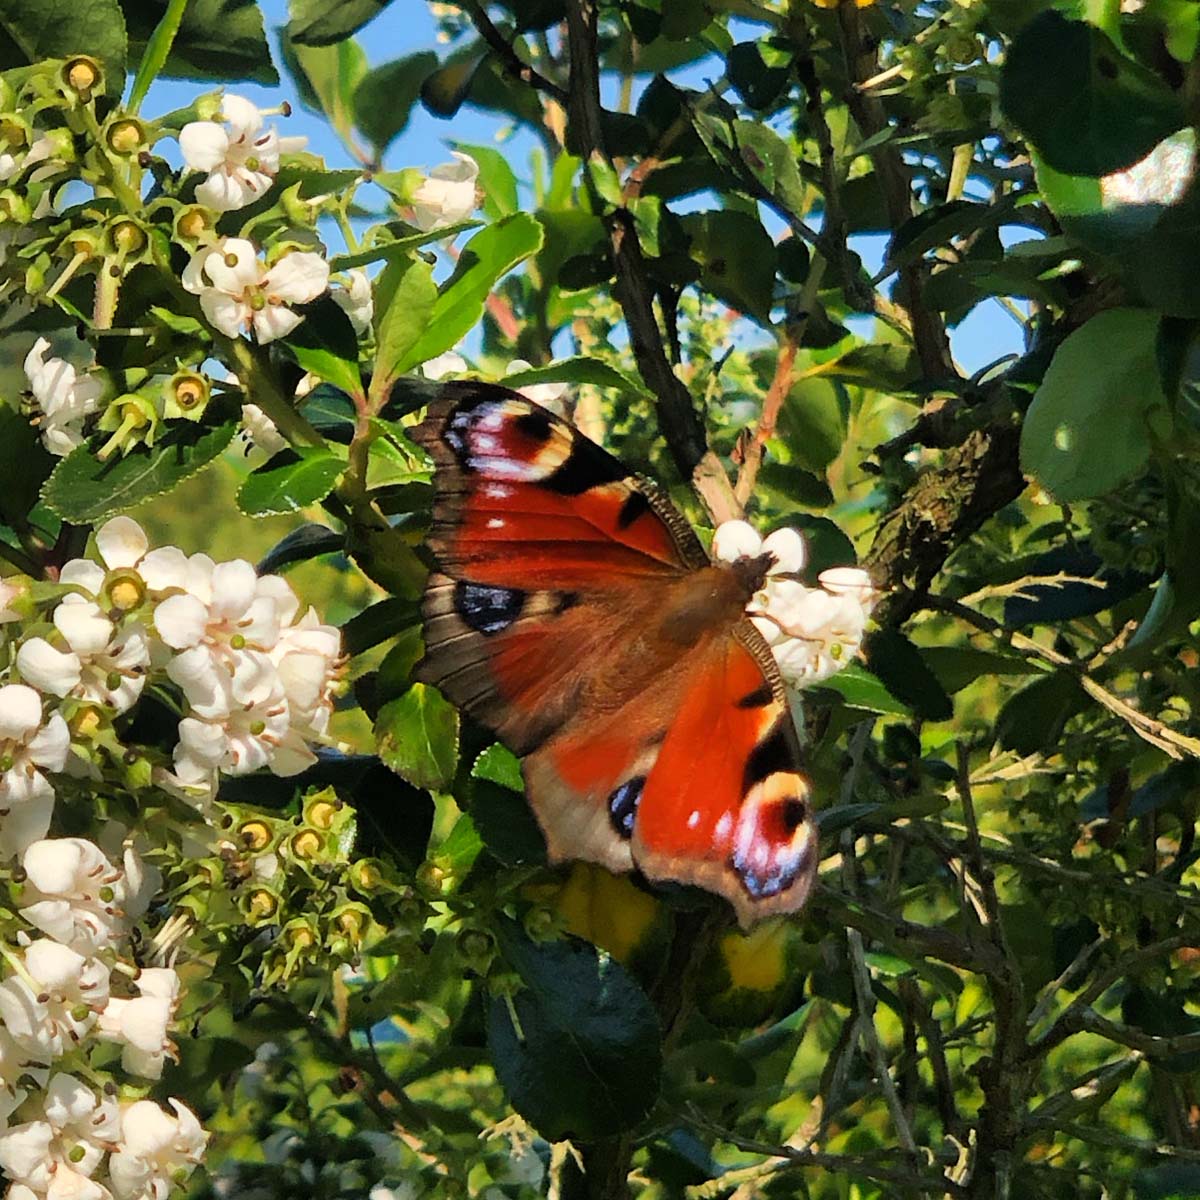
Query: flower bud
[[431, 878], [125, 136], [320, 813], [477, 948], [123, 589], [365, 875], [82, 75], [185, 396], [133, 421]]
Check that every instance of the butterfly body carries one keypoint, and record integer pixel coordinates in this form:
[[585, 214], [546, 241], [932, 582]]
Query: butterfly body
[[575, 614]]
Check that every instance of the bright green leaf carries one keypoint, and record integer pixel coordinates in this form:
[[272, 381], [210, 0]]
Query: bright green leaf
[[416, 735], [406, 301]]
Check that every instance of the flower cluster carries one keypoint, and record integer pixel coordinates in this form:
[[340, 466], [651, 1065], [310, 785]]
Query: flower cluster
[[813, 632]]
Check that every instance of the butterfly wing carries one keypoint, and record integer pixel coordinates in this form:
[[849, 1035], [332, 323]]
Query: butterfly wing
[[544, 621]]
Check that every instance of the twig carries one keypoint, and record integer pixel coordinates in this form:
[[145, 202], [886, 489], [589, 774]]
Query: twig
[[510, 60]]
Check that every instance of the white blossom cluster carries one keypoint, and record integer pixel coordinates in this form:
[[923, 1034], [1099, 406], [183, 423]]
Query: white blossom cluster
[[813, 632], [255, 677]]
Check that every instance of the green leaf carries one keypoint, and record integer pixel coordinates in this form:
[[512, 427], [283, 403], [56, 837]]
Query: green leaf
[[583, 1060], [507, 824], [379, 622], [860, 689], [499, 765], [385, 96], [496, 178], [325, 344], [327, 78], [292, 480], [1168, 1181], [812, 423], [1032, 719], [399, 249], [154, 57], [578, 370], [485, 259], [737, 259], [84, 490], [898, 663], [1087, 108], [323, 22], [957, 667], [405, 303], [24, 466], [1088, 428], [217, 39], [416, 735], [30, 32], [309, 541]]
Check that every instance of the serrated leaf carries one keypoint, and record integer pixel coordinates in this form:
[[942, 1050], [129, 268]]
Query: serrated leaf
[[292, 480], [84, 490], [499, 765], [484, 261], [416, 736], [1088, 428], [587, 1058]]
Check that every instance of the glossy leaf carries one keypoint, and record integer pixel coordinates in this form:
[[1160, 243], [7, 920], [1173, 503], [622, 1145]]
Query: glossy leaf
[[322, 22], [292, 480], [584, 1059], [217, 39], [416, 735], [405, 304], [30, 32], [84, 490]]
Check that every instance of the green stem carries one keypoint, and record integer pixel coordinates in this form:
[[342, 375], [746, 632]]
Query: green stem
[[157, 50], [108, 288], [260, 386]]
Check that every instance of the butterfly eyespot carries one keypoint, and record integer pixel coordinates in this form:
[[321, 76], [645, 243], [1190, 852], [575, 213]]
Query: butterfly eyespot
[[623, 803], [487, 610], [793, 812], [534, 425]]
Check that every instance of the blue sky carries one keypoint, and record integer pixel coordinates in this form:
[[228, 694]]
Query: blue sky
[[406, 26]]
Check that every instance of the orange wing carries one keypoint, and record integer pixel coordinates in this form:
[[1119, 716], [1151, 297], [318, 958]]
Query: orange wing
[[545, 622]]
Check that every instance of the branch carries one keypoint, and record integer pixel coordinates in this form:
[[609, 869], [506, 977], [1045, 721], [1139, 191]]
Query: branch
[[509, 59], [677, 416]]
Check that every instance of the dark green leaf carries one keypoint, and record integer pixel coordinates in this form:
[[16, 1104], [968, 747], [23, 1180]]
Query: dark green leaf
[[957, 667], [309, 541], [24, 466], [292, 480], [84, 490], [1168, 1181], [1088, 428], [1095, 588], [507, 825], [736, 257], [1032, 719], [30, 32], [898, 663], [385, 96], [1087, 108], [758, 84], [217, 39], [325, 344], [812, 423], [322, 22], [416, 735], [586, 1058], [484, 260], [378, 623]]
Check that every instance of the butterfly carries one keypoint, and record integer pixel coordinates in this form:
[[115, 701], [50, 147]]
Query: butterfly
[[575, 614]]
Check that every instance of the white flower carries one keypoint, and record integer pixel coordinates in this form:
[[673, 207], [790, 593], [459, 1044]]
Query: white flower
[[157, 1151], [237, 292], [813, 632], [355, 300], [57, 1156], [70, 991], [447, 195], [448, 363], [306, 658], [259, 430], [240, 156], [74, 894], [104, 663], [132, 567], [27, 743], [64, 398], [548, 395], [142, 1024]]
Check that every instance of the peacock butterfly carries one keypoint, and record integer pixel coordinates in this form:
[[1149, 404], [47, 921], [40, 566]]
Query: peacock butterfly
[[575, 614]]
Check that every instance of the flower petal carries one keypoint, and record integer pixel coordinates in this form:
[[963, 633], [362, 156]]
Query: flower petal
[[48, 669], [297, 278], [122, 542], [204, 144]]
